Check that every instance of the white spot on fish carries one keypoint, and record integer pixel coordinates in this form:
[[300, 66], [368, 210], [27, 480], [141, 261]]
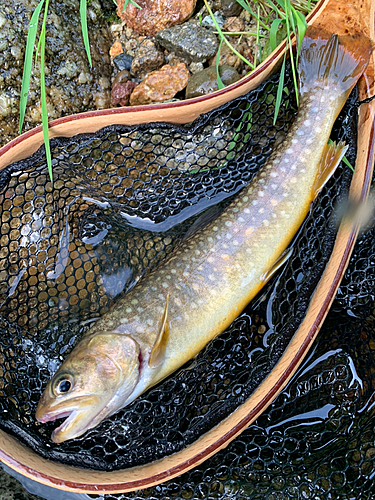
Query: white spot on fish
[[246, 211], [293, 180], [215, 228], [235, 242], [307, 123], [255, 202], [177, 301], [274, 186], [315, 110], [165, 285], [273, 202], [261, 210], [211, 277], [261, 193], [300, 132], [294, 141], [228, 223], [128, 310], [289, 151], [273, 174], [245, 199], [266, 222], [134, 301]]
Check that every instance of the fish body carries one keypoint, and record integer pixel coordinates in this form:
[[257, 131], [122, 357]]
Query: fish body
[[167, 318]]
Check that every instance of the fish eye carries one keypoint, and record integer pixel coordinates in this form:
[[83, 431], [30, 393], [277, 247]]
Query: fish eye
[[63, 385]]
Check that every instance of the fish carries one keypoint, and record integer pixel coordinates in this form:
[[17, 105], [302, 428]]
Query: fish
[[170, 315]]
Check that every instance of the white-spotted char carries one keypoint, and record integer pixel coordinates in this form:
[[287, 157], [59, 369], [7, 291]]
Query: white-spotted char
[[170, 316]]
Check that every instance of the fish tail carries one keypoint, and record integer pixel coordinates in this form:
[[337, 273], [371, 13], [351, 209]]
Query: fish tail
[[332, 60]]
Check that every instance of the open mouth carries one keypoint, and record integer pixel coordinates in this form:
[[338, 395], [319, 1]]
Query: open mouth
[[56, 416]]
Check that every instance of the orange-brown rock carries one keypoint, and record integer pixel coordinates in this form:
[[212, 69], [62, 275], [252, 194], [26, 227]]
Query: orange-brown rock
[[161, 85], [155, 15], [116, 49]]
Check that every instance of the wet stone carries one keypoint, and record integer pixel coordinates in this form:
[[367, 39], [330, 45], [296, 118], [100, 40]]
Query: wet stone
[[195, 67], [219, 18], [147, 58], [121, 93], [191, 41], [116, 49], [205, 81], [230, 7], [161, 85], [72, 87], [123, 61], [234, 25], [155, 15]]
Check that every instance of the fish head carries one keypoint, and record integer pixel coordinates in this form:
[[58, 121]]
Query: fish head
[[92, 383]]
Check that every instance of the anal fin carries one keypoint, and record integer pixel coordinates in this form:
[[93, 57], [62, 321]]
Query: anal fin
[[331, 157], [276, 266]]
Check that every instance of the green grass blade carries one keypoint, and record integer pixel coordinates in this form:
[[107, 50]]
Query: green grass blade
[[126, 3], [273, 33], [28, 63], [85, 36], [43, 93], [222, 37], [279, 90], [220, 83], [247, 7]]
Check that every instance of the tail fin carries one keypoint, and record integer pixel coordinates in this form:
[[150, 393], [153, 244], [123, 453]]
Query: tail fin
[[334, 60]]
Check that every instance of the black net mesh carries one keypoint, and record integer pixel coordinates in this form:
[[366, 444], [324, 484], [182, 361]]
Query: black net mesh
[[317, 440], [122, 199]]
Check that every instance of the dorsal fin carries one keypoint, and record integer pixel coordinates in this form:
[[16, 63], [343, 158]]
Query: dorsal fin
[[158, 351]]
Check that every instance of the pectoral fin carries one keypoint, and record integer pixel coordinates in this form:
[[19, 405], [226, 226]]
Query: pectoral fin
[[158, 351], [332, 155]]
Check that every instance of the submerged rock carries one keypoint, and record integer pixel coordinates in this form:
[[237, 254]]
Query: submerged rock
[[205, 81], [190, 41], [161, 85], [71, 86], [155, 15]]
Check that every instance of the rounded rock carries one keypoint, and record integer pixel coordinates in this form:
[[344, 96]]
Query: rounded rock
[[155, 15], [161, 85], [190, 41]]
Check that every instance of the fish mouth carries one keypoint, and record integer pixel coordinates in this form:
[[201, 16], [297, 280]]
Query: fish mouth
[[77, 420]]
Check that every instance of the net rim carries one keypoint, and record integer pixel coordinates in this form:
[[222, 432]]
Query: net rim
[[28, 463]]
